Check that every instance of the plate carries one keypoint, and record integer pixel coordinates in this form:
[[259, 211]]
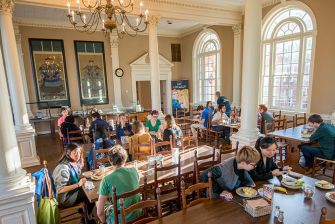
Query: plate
[[87, 174], [330, 186], [240, 192], [290, 183], [294, 174], [97, 177], [330, 196]]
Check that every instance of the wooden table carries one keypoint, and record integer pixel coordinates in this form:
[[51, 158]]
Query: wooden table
[[296, 209], [294, 138], [50, 120], [187, 167]]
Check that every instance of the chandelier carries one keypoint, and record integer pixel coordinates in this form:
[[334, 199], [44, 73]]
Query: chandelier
[[108, 16]]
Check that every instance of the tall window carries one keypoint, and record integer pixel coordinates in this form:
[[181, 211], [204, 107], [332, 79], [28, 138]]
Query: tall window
[[288, 38], [206, 66]]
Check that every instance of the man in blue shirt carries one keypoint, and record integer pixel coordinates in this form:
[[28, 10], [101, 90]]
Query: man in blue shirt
[[123, 128], [222, 100], [96, 122], [324, 135], [207, 112]]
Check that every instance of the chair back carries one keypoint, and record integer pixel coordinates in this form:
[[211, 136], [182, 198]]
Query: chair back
[[289, 122], [135, 148], [300, 120], [277, 115], [196, 188], [279, 124], [209, 122], [202, 163], [180, 115], [143, 205], [167, 145], [102, 160], [73, 136], [189, 141], [323, 217], [116, 198], [225, 151]]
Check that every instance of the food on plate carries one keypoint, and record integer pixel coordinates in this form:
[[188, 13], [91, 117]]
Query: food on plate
[[324, 184], [294, 174], [290, 181], [299, 183], [280, 189], [332, 195], [248, 191]]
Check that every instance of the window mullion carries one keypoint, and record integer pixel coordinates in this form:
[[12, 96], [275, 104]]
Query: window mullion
[[271, 72], [300, 73]]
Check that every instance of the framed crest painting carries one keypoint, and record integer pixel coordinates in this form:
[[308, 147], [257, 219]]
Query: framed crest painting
[[91, 69], [49, 71]]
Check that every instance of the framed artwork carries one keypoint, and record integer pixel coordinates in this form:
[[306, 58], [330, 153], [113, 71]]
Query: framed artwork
[[91, 69], [49, 71], [180, 95]]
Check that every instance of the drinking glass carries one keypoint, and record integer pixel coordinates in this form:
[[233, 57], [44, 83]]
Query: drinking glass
[[308, 191]]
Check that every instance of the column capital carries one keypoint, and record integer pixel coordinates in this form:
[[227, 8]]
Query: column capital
[[153, 20], [6, 6], [114, 39], [237, 29]]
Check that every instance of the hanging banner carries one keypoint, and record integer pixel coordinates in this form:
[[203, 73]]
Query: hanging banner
[[180, 95]]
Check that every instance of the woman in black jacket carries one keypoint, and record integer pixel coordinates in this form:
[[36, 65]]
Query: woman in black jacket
[[266, 168]]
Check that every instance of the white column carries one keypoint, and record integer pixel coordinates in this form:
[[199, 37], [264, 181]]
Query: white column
[[16, 190], [114, 42], [154, 64], [248, 133], [237, 66], [23, 72], [24, 132]]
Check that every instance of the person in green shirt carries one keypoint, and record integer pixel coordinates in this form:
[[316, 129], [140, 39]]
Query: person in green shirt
[[123, 179], [154, 123], [324, 135]]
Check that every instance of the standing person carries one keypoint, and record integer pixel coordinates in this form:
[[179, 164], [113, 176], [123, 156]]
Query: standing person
[[172, 129], [222, 100], [124, 180], [123, 128], [232, 173], [217, 123], [197, 121], [266, 116], [266, 167], [97, 121], [60, 121], [153, 125], [66, 177], [324, 135]]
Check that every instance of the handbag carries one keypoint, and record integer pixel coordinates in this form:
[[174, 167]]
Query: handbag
[[47, 212]]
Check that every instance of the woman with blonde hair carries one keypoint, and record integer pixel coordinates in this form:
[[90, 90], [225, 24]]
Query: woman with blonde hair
[[172, 130], [139, 137]]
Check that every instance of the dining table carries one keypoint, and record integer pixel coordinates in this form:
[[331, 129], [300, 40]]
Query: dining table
[[297, 209], [294, 137], [145, 169]]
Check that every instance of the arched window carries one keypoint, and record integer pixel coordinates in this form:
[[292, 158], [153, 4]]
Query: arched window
[[287, 57], [206, 66]]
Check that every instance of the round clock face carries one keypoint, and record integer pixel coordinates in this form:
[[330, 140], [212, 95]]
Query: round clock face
[[119, 72]]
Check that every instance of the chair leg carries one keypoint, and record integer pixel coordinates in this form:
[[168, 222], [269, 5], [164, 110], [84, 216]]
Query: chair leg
[[85, 214]]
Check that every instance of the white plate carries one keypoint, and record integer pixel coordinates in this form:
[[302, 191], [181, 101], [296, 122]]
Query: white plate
[[329, 187], [295, 175], [240, 192], [328, 196], [87, 174], [290, 185]]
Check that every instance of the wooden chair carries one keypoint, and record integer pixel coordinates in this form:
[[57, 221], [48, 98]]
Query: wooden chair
[[276, 115], [143, 205], [170, 186], [102, 160], [135, 149], [196, 188], [323, 165], [323, 217], [280, 124], [202, 163], [72, 136], [224, 151], [289, 123], [300, 120], [211, 134], [167, 145], [116, 198], [189, 141]]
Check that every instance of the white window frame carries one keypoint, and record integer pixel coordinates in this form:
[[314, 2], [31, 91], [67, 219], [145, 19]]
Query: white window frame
[[199, 55], [267, 21]]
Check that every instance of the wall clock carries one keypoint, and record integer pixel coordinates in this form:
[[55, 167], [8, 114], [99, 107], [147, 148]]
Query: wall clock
[[119, 72]]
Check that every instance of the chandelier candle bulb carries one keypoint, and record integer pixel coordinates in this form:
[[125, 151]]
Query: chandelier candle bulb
[[123, 27], [121, 2], [146, 15], [72, 15], [78, 2], [141, 5], [103, 24], [68, 8], [84, 18]]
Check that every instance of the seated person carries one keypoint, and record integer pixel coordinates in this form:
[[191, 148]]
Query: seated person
[[66, 176], [104, 142], [123, 128], [207, 112], [222, 100], [69, 126], [124, 180], [324, 135], [197, 121], [60, 121], [232, 173], [97, 121], [266, 167], [217, 123], [266, 116], [173, 130], [153, 125], [139, 137]]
